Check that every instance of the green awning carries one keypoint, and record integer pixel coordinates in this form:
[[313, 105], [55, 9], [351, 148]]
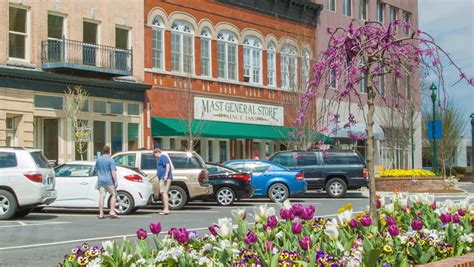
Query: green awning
[[216, 129]]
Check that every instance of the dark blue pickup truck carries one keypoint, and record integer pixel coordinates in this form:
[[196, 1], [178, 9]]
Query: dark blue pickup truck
[[334, 171]]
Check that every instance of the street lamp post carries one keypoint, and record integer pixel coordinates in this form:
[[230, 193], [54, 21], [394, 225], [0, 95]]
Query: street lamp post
[[433, 89], [472, 147]]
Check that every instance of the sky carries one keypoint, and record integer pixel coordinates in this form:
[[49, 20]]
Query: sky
[[451, 23]]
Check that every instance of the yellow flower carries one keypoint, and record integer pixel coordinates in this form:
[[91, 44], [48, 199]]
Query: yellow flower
[[71, 258], [382, 220], [347, 206], [387, 249], [341, 210], [82, 260]]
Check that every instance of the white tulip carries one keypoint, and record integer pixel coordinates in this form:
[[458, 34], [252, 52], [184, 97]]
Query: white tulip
[[390, 208], [239, 214], [331, 231], [262, 212], [345, 217], [287, 204], [225, 227], [107, 244]]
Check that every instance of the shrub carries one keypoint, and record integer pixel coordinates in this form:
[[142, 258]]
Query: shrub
[[407, 173]]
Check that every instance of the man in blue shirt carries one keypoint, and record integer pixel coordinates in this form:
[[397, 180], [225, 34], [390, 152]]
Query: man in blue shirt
[[106, 182], [165, 175]]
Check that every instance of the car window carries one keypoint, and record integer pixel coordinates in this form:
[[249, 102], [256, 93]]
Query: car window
[[285, 159], [7, 160], [185, 161], [240, 166], [73, 171], [126, 159], [148, 162], [212, 170], [40, 160], [306, 159], [260, 167], [338, 158]]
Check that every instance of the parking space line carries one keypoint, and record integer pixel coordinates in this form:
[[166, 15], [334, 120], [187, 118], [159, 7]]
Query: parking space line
[[93, 215], [31, 224]]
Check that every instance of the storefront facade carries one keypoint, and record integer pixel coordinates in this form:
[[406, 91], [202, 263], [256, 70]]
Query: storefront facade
[[223, 78]]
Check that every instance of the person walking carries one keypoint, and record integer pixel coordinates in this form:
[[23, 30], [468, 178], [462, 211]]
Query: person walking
[[165, 176], [106, 182]]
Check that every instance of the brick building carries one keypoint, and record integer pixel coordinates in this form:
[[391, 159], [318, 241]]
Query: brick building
[[224, 73], [398, 143]]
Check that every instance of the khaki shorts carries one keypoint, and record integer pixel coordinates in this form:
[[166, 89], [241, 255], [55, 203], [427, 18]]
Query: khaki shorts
[[104, 189], [159, 186]]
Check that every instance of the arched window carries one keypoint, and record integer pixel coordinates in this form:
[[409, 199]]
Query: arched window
[[206, 52], [227, 55], [252, 60], [182, 47], [305, 67], [288, 66], [271, 64], [157, 42]]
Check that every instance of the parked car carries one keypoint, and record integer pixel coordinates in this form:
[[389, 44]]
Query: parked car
[[271, 179], [335, 171], [76, 183], [229, 184], [26, 181], [190, 177]]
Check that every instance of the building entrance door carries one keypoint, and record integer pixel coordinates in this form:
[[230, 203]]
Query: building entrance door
[[50, 138]]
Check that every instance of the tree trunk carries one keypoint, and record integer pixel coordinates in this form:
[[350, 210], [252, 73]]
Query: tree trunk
[[370, 149]]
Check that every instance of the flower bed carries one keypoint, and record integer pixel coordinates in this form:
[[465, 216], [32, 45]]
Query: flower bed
[[407, 173], [413, 230]]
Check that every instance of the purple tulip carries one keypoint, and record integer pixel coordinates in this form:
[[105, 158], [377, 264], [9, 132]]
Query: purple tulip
[[417, 225], [272, 221], [455, 218], [461, 212], [366, 220], [308, 213], [181, 235], [354, 223], [393, 230], [391, 220], [155, 228], [445, 218], [297, 209], [378, 204], [287, 214], [250, 238], [306, 243], [141, 234], [433, 206], [297, 228], [268, 246], [213, 229]]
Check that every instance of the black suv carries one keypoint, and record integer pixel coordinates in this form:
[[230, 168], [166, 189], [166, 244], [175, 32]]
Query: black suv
[[332, 170]]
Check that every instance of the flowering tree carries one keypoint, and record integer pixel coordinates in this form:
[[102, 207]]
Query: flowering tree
[[363, 54]]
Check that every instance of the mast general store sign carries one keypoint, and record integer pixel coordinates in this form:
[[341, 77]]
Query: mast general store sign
[[240, 112]]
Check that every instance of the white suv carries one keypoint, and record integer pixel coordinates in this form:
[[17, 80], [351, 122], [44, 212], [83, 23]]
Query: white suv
[[26, 181]]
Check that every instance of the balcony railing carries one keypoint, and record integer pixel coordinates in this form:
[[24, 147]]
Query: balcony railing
[[70, 54]]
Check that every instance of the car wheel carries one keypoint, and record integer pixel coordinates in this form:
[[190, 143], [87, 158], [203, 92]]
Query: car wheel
[[278, 192], [20, 213], [177, 197], [336, 188], [225, 196], [8, 205], [125, 203]]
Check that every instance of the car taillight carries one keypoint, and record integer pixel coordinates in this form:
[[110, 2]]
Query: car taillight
[[202, 177], [299, 176], [365, 173], [134, 178], [241, 176], [34, 177]]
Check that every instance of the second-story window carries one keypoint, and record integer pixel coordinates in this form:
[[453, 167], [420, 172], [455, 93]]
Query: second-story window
[[90, 38], [393, 13], [288, 65], [206, 52], [380, 11], [406, 19], [157, 42], [363, 9], [18, 34], [347, 7], [331, 5], [271, 64], [182, 47], [122, 45], [363, 79], [227, 55], [55, 35], [252, 60]]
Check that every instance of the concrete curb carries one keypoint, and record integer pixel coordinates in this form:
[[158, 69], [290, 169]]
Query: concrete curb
[[465, 194]]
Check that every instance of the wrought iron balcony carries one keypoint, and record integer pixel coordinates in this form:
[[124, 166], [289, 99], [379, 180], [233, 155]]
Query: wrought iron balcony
[[73, 55]]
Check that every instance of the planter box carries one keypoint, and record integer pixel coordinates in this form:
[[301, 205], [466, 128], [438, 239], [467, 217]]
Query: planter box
[[409, 184], [462, 261]]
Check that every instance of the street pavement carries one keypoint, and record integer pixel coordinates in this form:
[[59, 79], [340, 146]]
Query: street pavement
[[43, 238]]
